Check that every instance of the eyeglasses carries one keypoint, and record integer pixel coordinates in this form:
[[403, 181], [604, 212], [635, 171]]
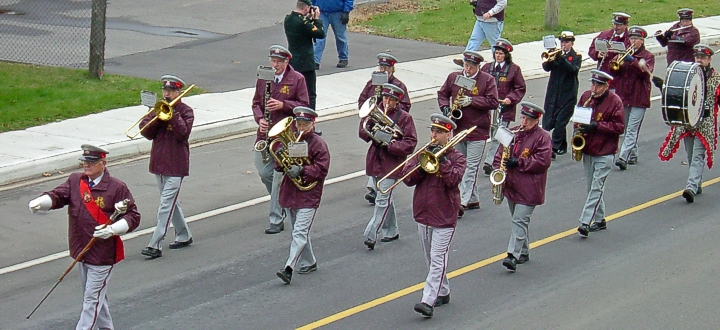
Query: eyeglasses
[[90, 162]]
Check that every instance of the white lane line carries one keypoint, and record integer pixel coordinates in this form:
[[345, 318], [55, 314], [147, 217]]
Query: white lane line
[[197, 217]]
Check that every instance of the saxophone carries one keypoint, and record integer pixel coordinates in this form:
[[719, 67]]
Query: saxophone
[[455, 109], [262, 145], [577, 142], [497, 177]]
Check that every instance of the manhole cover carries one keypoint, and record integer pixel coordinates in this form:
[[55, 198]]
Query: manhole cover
[[9, 12]]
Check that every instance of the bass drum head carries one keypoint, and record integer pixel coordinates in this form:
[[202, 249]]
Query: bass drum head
[[695, 95]]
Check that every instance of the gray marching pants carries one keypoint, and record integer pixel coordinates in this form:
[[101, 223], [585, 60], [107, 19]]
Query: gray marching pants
[[633, 119], [94, 282], [695, 151], [494, 145], [384, 213], [519, 235], [597, 169], [473, 151], [169, 211], [436, 244], [272, 180], [301, 253], [371, 184]]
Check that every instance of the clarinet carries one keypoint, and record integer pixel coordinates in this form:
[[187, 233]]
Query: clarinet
[[262, 145]]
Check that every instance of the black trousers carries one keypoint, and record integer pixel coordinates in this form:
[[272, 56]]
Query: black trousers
[[310, 78], [556, 121]]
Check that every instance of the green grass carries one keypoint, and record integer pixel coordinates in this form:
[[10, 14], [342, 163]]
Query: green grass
[[34, 95], [451, 21]]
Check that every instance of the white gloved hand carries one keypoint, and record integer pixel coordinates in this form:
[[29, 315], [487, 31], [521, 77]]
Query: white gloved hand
[[119, 227], [121, 207], [42, 203], [465, 101]]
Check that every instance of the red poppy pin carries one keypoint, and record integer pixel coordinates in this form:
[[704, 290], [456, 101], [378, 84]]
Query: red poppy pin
[[569, 58], [448, 126]]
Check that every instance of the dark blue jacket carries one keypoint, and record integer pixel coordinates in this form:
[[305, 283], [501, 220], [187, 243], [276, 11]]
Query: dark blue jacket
[[334, 6]]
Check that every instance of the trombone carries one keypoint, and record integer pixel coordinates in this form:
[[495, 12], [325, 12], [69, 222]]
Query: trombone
[[163, 111], [429, 161]]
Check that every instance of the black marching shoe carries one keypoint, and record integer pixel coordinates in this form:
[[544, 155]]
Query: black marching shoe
[[424, 309], [598, 226], [180, 245], [461, 211], [285, 275], [307, 269], [370, 244], [621, 164], [689, 196], [473, 206], [561, 152], [583, 230], [151, 252], [275, 229], [699, 190], [370, 197], [554, 155], [487, 169], [510, 263], [442, 300], [523, 259], [389, 239]]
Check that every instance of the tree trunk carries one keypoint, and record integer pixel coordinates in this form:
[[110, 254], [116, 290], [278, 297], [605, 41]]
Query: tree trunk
[[552, 14], [97, 38]]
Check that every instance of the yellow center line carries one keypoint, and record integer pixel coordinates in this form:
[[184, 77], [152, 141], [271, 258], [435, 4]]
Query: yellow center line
[[469, 268]]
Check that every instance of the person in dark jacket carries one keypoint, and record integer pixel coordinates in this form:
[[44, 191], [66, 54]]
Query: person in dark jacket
[[511, 90], [634, 90], [561, 93], [334, 13], [436, 203], [92, 196], [302, 27], [680, 38], [384, 154], [526, 175], [601, 144], [617, 34], [489, 22], [170, 162], [301, 205]]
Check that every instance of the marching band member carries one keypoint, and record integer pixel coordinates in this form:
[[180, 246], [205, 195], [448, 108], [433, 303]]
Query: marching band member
[[680, 38], [475, 106], [524, 187], [617, 33], [601, 143], [301, 206], [701, 140], [287, 91], [510, 86], [384, 154], [436, 203], [91, 197], [561, 93], [170, 162], [634, 90], [386, 63]]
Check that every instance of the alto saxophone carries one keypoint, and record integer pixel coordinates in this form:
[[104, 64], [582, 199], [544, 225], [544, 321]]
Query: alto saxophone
[[262, 145], [577, 142], [497, 177]]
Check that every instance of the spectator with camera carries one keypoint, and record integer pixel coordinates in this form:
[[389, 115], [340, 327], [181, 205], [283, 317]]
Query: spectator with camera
[[302, 27]]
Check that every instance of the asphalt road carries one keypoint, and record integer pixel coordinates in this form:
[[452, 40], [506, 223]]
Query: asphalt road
[[655, 267]]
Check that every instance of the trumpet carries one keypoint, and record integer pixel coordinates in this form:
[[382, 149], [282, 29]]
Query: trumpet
[[163, 111], [497, 176], [370, 110], [549, 56], [429, 161], [615, 65], [577, 142], [282, 133]]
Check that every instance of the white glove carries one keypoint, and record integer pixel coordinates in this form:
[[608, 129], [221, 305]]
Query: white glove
[[119, 227], [121, 207], [465, 101], [42, 203]]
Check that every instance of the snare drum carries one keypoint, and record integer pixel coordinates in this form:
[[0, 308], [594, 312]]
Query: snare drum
[[683, 94]]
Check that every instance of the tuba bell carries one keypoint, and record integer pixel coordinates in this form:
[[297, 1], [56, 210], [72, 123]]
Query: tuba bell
[[282, 133], [163, 112], [369, 110]]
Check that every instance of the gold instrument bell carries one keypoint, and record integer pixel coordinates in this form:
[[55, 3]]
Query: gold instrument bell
[[282, 133], [163, 112]]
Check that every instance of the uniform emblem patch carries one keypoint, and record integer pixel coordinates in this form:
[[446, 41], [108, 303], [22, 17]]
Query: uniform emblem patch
[[598, 117], [285, 90], [502, 79], [86, 197], [525, 153], [475, 91], [169, 127], [100, 202]]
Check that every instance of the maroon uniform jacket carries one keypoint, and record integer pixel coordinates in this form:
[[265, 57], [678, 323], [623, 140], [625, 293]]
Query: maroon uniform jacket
[[525, 184], [290, 196], [369, 91], [381, 160], [633, 85], [81, 225], [510, 84], [484, 98], [291, 90], [436, 200], [609, 115], [680, 45], [170, 153], [593, 53]]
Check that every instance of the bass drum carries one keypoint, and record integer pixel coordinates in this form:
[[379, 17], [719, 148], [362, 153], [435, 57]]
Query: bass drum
[[683, 94]]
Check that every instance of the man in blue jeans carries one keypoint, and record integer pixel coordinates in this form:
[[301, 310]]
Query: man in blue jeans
[[489, 24], [335, 13]]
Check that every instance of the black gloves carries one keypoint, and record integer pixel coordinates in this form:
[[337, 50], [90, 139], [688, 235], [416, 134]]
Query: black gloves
[[511, 163], [435, 150], [445, 110], [504, 108], [345, 18], [585, 129], [668, 34], [628, 58], [658, 82]]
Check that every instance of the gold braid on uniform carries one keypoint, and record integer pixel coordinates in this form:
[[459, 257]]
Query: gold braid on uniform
[[706, 129]]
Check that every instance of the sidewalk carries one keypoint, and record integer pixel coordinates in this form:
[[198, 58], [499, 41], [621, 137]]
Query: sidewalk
[[48, 148]]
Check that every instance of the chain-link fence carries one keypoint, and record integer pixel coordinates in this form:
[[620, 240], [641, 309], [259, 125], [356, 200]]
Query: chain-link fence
[[47, 32]]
